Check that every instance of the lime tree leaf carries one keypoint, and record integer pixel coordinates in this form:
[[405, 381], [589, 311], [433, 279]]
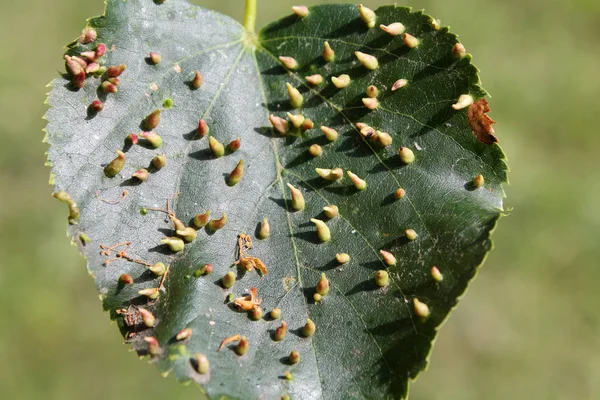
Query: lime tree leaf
[[373, 335]]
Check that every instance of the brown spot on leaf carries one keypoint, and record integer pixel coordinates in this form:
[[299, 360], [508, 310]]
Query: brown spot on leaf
[[480, 123]]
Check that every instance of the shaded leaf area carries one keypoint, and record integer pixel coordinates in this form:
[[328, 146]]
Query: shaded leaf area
[[369, 341]]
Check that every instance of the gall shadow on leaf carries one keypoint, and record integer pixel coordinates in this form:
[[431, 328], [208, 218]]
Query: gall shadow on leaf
[[391, 163], [131, 182], [470, 186], [315, 184], [356, 26], [146, 276], [91, 114], [395, 243], [381, 41], [275, 70], [309, 236], [366, 286], [440, 66], [127, 145], [342, 190], [202, 155], [192, 135], [329, 266], [282, 24], [166, 231], [299, 160], [102, 95], [266, 131], [309, 293], [278, 106], [161, 249], [280, 202], [438, 119], [388, 200], [373, 265]]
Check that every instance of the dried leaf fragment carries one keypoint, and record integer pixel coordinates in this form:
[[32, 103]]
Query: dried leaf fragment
[[480, 123]]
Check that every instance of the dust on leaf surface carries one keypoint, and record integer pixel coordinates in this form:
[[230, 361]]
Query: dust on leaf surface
[[369, 341]]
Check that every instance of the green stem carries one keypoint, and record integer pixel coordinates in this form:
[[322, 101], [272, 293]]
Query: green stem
[[250, 15]]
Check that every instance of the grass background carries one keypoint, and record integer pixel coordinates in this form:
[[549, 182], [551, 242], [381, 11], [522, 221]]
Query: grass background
[[529, 327]]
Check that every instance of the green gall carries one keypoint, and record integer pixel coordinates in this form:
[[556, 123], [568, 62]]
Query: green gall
[[88, 35], [205, 270], [141, 174], [322, 230], [115, 166], [285, 397], [436, 274], [158, 269], [322, 286], [330, 134], [330, 174], [280, 124], [230, 297], [216, 147], [368, 61], [341, 81], [155, 58], [300, 11], [342, 258], [275, 313], [309, 328], [234, 145], [175, 244], [478, 181], [411, 234], [152, 120], [308, 124], [108, 87], [153, 346], [133, 138], [436, 24], [296, 120], [242, 346], [372, 91], [152, 138], [179, 226], [203, 128], [147, 317], [410, 41], [236, 175], [393, 29], [298, 203], [385, 139], [159, 161], [463, 101], [314, 80], [317, 297], [143, 211], [296, 99], [328, 53], [370, 103], [382, 278], [399, 193], [168, 103], [294, 357], [151, 293], [97, 106], [228, 280], [289, 62], [315, 150], [200, 220], [183, 334], [198, 81], [288, 376], [265, 229], [367, 15], [406, 155], [256, 314], [358, 183], [115, 71], [459, 51], [126, 279], [216, 224], [74, 212], [84, 239], [331, 211], [280, 332], [188, 234], [200, 363], [421, 309], [388, 258]]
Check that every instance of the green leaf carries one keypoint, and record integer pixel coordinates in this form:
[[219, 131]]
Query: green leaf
[[369, 340]]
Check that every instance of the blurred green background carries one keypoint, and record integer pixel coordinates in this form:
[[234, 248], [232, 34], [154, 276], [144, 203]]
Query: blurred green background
[[528, 329]]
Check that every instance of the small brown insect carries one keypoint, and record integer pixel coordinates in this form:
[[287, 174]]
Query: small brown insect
[[480, 123]]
